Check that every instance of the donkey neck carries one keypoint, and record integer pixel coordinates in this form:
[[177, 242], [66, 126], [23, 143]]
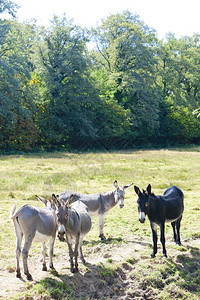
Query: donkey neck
[[156, 210], [72, 219], [108, 200]]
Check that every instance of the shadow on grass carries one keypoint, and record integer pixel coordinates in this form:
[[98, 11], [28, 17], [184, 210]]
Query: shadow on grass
[[113, 241], [189, 270], [108, 241], [96, 282], [101, 280], [179, 276]]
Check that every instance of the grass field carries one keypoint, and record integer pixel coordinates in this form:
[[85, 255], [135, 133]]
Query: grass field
[[178, 277]]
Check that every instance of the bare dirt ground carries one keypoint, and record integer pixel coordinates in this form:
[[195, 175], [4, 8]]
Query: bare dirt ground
[[88, 283]]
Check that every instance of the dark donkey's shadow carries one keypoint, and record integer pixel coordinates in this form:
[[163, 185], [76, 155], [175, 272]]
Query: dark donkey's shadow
[[188, 266]]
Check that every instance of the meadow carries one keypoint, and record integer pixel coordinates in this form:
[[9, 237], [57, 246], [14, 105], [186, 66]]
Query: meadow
[[120, 267]]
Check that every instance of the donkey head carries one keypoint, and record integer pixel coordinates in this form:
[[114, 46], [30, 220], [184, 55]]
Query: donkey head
[[62, 214], [119, 193], [143, 202]]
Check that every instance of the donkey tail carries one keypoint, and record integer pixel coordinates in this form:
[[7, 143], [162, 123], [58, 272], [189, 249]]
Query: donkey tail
[[12, 211]]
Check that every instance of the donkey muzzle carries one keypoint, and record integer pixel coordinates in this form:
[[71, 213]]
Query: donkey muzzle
[[61, 232], [61, 236], [121, 203], [61, 229], [142, 217]]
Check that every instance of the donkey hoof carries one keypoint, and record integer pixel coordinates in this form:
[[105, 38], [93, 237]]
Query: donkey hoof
[[44, 268], [72, 270], [165, 255], [18, 275], [29, 277], [152, 255], [102, 237]]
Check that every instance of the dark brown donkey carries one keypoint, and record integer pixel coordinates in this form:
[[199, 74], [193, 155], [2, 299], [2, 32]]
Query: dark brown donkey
[[161, 209]]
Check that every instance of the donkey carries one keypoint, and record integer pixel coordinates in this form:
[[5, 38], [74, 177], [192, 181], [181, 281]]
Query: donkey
[[161, 209], [74, 221], [36, 224], [99, 204]]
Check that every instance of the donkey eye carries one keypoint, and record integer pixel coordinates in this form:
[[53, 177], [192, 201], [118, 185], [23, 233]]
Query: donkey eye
[[66, 216], [146, 204]]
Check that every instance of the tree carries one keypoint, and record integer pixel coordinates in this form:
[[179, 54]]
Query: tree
[[68, 92], [16, 94], [9, 7], [178, 73], [126, 55]]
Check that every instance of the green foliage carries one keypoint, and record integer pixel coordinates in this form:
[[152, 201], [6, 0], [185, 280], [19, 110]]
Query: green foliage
[[126, 57], [132, 89], [17, 108], [68, 89], [7, 6]]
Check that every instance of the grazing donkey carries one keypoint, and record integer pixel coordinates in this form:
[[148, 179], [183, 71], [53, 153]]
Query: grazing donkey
[[74, 221], [99, 204], [161, 209], [36, 224]]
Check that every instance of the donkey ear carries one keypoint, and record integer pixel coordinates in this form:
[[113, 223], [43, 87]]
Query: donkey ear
[[149, 189], [41, 199], [116, 184], [137, 190], [128, 185], [49, 203], [56, 200], [70, 201]]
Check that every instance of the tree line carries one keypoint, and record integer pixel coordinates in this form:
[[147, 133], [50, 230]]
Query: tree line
[[59, 91]]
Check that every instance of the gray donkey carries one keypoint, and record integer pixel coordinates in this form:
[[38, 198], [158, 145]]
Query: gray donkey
[[74, 221], [99, 204], [35, 224]]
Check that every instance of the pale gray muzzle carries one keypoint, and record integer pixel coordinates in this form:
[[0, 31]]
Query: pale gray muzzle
[[142, 217]]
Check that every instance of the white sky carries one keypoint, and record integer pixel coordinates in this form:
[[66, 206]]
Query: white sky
[[176, 16]]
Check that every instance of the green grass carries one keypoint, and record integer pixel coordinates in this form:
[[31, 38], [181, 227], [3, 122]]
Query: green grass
[[53, 288], [178, 277]]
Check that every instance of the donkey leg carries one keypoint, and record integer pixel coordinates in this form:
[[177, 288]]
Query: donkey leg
[[71, 254], [51, 249], [178, 225], [101, 226], [80, 251], [19, 236], [17, 253], [174, 230], [155, 238], [44, 250], [25, 251], [76, 252], [162, 238]]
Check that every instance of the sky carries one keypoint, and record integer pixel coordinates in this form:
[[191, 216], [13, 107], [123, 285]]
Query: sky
[[176, 16]]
